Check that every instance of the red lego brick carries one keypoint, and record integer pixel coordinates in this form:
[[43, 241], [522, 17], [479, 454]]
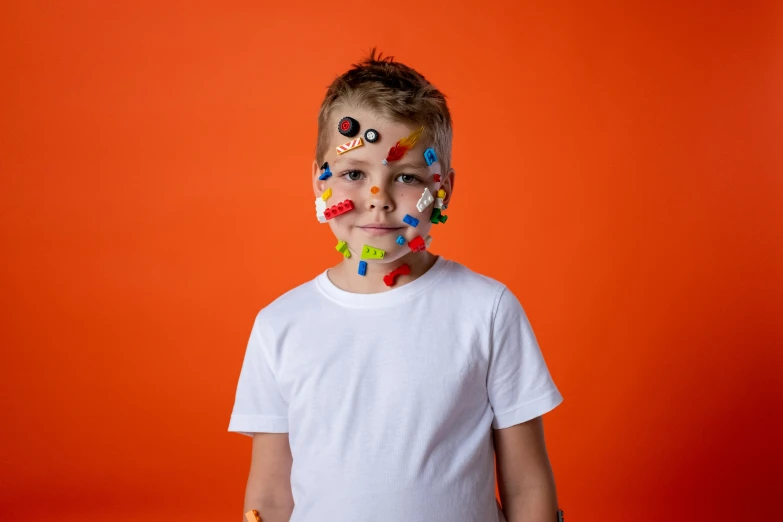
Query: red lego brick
[[340, 208], [400, 270], [417, 244], [436, 178]]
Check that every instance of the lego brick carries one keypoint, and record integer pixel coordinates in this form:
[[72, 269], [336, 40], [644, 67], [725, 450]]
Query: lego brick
[[430, 157], [437, 217], [348, 127], [362, 268], [342, 247], [320, 208], [412, 221], [369, 252], [427, 241], [327, 194], [338, 209], [400, 240], [389, 278], [253, 516], [436, 178], [326, 172], [425, 200], [417, 244], [345, 147], [441, 193]]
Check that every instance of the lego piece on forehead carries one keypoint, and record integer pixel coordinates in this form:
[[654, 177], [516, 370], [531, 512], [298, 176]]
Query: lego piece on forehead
[[371, 135], [402, 146], [425, 200], [430, 157], [348, 127], [345, 147]]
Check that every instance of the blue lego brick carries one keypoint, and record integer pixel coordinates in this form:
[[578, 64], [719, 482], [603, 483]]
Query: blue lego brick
[[412, 221], [400, 240], [430, 157], [326, 175], [362, 268]]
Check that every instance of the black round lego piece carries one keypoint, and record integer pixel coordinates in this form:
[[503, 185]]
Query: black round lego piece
[[325, 165], [348, 127], [371, 135]]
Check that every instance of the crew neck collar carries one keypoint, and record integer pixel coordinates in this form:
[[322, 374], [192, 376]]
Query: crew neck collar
[[382, 299]]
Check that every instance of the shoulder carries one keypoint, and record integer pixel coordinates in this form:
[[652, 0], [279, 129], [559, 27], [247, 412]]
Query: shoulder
[[471, 283], [290, 305]]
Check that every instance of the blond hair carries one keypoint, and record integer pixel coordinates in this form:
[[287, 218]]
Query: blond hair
[[394, 91]]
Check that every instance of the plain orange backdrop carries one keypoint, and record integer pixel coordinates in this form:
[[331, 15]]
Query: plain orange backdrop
[[619, 167]]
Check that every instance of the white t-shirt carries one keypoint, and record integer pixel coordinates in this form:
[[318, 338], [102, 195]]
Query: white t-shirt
[[389, 398]]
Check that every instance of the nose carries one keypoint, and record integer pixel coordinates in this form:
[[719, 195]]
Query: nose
[[379, 199]]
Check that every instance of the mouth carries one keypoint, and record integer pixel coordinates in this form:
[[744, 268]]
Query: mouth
[[379, 230]]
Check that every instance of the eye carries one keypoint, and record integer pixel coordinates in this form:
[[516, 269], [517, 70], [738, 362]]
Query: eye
[[408, 179], [352, 175]]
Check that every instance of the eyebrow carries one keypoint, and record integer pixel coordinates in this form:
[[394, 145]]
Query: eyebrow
[[353, 161]]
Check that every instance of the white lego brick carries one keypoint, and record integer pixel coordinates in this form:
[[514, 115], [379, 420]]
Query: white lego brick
[[425, 200]]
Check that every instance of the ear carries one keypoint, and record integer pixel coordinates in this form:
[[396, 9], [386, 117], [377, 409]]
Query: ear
[[447, 184], [318, 185]]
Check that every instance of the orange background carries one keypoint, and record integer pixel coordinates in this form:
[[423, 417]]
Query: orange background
[[619, 166]]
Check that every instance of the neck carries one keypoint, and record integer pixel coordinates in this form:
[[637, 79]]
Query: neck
[[345, 275]]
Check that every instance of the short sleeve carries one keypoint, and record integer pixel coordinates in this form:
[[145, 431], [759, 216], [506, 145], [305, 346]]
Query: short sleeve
[[258, 405], [519, 385]]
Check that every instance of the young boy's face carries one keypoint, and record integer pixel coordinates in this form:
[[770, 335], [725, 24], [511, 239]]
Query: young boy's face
[[382, 194]]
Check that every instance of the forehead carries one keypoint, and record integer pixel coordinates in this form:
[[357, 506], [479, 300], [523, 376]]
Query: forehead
[[389, 130]]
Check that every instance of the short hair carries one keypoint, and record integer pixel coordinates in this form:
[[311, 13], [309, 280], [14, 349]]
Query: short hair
[[394, 91]]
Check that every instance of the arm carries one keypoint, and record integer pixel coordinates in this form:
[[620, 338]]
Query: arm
[[269, 482], [525, 478]]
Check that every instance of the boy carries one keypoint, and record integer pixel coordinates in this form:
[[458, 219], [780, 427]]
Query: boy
[[383, 389]]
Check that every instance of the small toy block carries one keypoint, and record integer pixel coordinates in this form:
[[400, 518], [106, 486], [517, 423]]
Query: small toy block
[[437, 217], [430, 157], [400, 270], [253, 516], [369, 252], [338, 209], [441, 193], [362, 268], [427, 241], [417, 244], [439, 203], [327, 194], [436, 178], [412, 221], [342, 247], [326, 172], [374, 190], [320, 208], [400, 240], [425, 200], [345, 147]]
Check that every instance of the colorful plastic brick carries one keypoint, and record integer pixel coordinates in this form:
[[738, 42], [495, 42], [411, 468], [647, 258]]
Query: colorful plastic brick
[[342, 247], [417, 244], [327, 194], [345, 147], [412, 221], [326, 172], [400, 270], [436, 178], [320, 208], [430, 157], [362, 268], [437, 217], [439, 203], [369, 252], [427, 241], [400, 240], [253, 516], [441, 193], [425, 200], [338, 209]]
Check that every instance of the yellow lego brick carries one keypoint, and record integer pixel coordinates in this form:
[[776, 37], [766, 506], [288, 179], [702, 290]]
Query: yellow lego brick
[[441, 193], [327, 194], [342, 247]]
